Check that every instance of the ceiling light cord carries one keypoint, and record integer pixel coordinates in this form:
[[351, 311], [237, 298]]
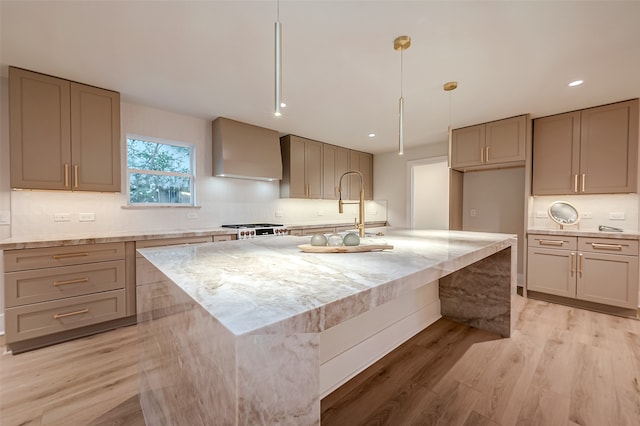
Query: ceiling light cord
[[401, 43], [278, 63]]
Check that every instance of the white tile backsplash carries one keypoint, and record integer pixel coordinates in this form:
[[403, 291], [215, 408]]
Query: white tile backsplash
[[598, 208]]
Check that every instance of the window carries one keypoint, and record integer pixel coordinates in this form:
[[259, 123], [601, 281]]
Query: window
[[160, 172]]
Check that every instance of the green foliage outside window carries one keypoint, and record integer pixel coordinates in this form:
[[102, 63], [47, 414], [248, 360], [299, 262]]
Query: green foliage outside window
[[159, 173]]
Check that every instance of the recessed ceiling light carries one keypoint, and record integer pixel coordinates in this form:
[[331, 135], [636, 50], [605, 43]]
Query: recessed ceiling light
[[576, 83], [372, 135]]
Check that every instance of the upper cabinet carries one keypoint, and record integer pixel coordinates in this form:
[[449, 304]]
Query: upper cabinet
[[490, 145], [63, 135], [363, 163], [301, 168], [335, 162], [312, 169], [592, 151]]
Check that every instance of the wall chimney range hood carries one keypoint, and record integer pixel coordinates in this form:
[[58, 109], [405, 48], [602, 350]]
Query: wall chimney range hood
[[245, 151]]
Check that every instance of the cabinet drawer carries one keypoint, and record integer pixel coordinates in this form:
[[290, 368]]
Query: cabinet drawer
[[171, 242], [41, 285], [552, 241], [608, 245], [40, 319], [311, 231], [217, 238], [36, 258]]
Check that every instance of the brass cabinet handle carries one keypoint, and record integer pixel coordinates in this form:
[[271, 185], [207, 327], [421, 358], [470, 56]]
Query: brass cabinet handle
[[76, 281], [551, 242], [66, 175], [600, 246], [75, 175], [487, 156], [575, 183], [584, 177], [573, 263], [481, 155], [580, 264], [62, 256], [69, 314]]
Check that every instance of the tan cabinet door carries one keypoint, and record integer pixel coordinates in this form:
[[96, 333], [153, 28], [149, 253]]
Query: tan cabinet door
[[609, 148], [552, 271], [40, 130], [505, 140], [467, 147], [608, 279], [362, 162], [313, 168], [95, 139], [335, 161], [556, 160]]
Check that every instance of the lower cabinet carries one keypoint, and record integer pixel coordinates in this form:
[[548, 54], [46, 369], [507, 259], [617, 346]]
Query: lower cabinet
[[600, 270], [58, 289]]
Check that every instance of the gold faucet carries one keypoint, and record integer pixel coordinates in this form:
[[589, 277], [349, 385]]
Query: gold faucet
[[359, 226]]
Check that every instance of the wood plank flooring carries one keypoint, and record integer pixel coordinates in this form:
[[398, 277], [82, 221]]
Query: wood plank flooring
[[562, 366]]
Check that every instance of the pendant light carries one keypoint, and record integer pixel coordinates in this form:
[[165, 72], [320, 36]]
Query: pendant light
[[401, 43], [450, 86], [278, 63]]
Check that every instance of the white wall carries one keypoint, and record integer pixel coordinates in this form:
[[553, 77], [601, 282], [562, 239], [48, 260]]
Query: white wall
[[430, 193], [390, 179]]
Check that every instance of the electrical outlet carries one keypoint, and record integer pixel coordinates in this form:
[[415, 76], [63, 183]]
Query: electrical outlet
[[616, 215], [320, 212], [373, 212], [278, 213], [472, 212], [541, 214], [5, 218], [62, 217], [586, 215], [192, 215], [86, 217]]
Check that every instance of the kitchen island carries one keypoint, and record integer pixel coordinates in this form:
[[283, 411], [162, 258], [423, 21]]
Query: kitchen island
[[230, 333]]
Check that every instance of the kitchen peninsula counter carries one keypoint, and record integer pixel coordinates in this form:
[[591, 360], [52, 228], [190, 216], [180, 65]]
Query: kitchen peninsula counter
[[229, 333]]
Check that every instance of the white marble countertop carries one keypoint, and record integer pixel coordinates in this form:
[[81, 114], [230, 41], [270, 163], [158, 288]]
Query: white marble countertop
[[269, 286], [593, 233]]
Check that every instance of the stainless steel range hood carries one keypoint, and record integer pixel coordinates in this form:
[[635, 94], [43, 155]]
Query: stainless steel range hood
[[241, 150]]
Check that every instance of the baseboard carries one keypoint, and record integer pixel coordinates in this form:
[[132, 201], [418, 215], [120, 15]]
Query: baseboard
[[337, 366]]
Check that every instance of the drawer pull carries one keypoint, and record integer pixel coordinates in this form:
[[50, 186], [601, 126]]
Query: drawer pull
[[599, 246], [76, 281], [69, 314], [551, 242], [64, 256], [580, 264], [573, 263]]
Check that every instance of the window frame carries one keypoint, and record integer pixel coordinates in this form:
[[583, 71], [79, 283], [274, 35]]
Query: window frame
[[163, 141]]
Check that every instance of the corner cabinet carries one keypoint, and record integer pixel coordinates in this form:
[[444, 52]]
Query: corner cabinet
[[600, 270], [63, 135], [592, 151], [490, 145]]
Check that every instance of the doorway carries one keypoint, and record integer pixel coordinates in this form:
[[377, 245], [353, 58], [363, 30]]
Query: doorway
[[429, 193]]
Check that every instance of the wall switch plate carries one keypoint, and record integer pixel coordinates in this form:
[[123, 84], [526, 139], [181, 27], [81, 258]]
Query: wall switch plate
[[472, 212], [278, 213], [320, 212], [86, 217], [62, 217], [541, 214], [586, 215], [373, 212], [5, 218], [192, 215], [616, 215]]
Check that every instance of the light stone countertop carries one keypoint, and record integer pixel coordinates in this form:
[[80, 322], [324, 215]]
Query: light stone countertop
[[268, 285], [592, 233]]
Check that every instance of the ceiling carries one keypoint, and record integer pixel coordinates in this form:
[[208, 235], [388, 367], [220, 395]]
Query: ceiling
[[341, 75]]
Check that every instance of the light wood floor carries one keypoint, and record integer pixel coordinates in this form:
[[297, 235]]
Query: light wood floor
[[562, 366]]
